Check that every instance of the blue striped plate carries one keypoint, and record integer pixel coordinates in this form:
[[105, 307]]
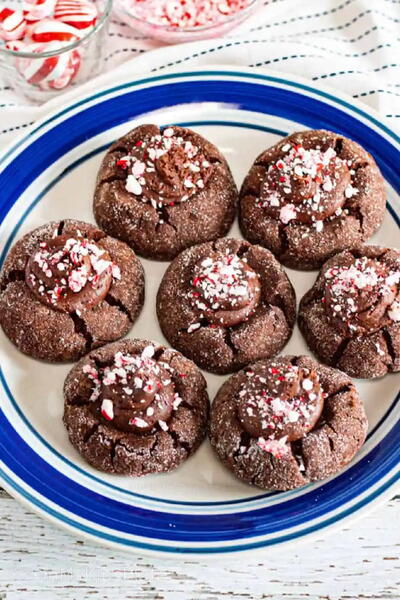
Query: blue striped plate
[[201, 508]]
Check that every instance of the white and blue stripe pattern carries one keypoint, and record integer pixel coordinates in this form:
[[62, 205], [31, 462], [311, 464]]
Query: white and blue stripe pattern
[[38, 474], [354, 45]]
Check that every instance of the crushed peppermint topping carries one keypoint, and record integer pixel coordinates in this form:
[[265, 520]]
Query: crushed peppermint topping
[[278, 448], [394, 311], [68, 265], [133, 186], [138, 422], [142, 382], [221, 279], [107, 409], [93, 375], [148, 351], [287, 213], [165, 169], [282, 404], [311, 175], [346, 284], [224, 290], [350, 191]]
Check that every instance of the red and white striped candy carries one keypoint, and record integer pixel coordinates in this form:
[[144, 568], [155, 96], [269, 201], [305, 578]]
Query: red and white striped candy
[[77, 13], [53, 72], [70, 71], [12, 24], [50, 30], [35, 10], [16, 45]]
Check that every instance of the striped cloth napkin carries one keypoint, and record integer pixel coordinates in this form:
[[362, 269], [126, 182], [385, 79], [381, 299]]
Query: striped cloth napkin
[[353, 45]]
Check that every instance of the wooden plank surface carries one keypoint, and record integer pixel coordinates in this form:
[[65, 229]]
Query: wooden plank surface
[[41, 562]]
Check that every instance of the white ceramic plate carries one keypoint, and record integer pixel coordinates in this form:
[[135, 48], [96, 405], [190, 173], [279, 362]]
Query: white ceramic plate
[[200, 508]]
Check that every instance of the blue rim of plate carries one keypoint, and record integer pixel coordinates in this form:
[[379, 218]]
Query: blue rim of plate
[[30, 477]]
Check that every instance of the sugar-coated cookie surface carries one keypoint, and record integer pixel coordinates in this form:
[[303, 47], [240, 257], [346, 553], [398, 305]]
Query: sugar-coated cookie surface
[[225, 304], [350, 318], [67, 288], [282, 423], [134, 407], [310, 196], [162, 191]]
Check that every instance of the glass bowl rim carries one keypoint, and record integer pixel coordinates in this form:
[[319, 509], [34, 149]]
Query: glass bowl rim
[[36, 55], [190, 30]]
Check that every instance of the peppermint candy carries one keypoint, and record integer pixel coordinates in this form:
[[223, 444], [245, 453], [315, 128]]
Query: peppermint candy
[[181, 14], [12, 24], [47, 26], [53, 72], [35, 10], [51, 30], [15, 46], [77, 13]]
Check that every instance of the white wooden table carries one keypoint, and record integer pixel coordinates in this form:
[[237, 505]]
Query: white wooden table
[[40, 562]]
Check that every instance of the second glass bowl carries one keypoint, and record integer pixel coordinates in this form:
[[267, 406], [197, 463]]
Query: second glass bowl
[[173, 35]]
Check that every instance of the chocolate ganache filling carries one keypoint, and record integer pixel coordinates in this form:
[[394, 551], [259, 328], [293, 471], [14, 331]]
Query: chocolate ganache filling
[[225, 289], [306, 185], [361, 297], [70, 273], [280, 404], [165, 169], [136, 392]]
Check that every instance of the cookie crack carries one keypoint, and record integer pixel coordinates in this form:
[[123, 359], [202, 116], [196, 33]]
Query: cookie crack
[[340, 350], [163, 213], [330, 439], [228, 339], [13, 275], [111, 301], [342, 390], [214, 160], [283, 238], [178, 443], [79, 401], [244, 442], [204, 323], [358, 253], [263, 164], [338, 147], [277, 302], [90, 433], [360, 165], [194, 409], [355, 211], [81, 329], [389, 345], [310, 298], [294, 361], [118, 148], [298, 455], [242, 251], [111, 179], [60, 227], [119, 442], [101, 364], [158, 352], [113, 450], [185, 404]]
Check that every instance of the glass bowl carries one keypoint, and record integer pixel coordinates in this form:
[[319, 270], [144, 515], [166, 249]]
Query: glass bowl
[[41, 75], [171, 35]]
